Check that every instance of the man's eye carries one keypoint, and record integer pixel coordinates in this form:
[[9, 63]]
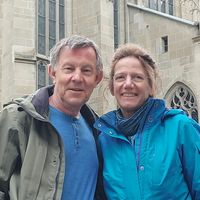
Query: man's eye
[[87, 71], [67, 69]]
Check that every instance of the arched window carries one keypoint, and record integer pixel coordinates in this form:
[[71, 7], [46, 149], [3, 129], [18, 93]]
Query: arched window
[[182, 97]]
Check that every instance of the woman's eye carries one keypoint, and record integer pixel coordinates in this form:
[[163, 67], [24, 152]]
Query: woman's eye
[[119, 78], [138, 78]]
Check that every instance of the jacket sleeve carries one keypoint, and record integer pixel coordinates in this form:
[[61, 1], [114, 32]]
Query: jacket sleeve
[[190, 155], [9, 151]]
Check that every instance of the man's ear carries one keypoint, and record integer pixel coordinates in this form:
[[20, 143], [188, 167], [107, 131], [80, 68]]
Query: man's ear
[[52, 73], [99, 77]]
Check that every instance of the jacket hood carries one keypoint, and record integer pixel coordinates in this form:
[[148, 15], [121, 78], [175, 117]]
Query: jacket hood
[[172, 112], [37, 105], [157, 114], [24, 103]]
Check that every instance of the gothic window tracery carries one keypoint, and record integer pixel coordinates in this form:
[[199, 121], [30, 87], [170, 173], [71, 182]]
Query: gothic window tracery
[[184, 99]]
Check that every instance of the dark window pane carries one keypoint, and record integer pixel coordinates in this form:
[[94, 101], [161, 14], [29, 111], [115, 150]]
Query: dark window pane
[[52, 23], [61, 31], [41, 75], [171, 12], [61, 20], [51, 42], [41, 44], [61, 2], [52, 10], [163, 6], [41, 8], [41, 27], [153, 4], [164, 44], [116, 23], [61, 14], [52, 29]]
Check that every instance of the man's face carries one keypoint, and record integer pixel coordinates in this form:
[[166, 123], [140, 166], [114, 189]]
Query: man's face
[[75, 76]]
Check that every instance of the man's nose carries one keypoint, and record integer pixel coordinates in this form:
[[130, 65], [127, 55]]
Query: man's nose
[[77, 76]]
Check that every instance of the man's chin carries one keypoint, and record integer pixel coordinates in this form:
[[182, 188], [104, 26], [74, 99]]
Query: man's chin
[[77, 102]]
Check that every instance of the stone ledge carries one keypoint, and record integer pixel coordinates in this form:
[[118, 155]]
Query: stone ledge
[[23, 54], [196, 39]]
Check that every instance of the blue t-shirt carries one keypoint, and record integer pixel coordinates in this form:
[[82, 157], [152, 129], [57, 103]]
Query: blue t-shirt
[[81, 159]]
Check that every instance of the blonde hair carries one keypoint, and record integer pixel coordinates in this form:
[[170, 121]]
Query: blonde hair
[[132, 50]]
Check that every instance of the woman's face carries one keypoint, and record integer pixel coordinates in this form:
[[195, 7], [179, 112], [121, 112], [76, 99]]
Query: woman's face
[[130, 85]]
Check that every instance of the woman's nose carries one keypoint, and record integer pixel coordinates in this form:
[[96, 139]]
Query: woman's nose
[[128, 81]]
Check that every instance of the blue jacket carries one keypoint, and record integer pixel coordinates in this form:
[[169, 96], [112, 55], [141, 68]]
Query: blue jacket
[[161, 163]]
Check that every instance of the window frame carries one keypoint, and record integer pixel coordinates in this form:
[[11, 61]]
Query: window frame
[[164, 6], [164, 44], [42, 57], [58, 4]]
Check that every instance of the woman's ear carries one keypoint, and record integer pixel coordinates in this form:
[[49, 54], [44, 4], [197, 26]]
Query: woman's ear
[[152, 92], [111, 89], [52, 73]]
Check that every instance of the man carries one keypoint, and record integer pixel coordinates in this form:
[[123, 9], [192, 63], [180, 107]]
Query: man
[[47, 140]]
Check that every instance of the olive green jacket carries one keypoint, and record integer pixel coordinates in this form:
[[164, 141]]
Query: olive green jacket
[[31, 151]]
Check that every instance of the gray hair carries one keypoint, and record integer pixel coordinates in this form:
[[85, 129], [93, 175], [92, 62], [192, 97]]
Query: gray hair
[[75, 42]]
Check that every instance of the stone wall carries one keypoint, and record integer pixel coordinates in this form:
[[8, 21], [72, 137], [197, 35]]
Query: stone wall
[[94, 19], [1, 45], [18, 41], [181, 62], [7, 68]]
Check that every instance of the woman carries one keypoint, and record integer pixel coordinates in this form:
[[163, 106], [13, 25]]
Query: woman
[[149, 151]]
